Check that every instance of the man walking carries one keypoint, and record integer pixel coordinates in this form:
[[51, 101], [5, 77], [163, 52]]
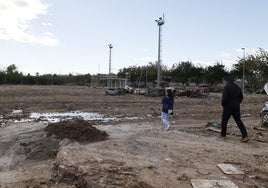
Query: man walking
[[232, 96]]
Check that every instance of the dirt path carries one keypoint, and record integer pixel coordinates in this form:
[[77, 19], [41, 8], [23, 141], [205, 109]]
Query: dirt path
[[137, 153]]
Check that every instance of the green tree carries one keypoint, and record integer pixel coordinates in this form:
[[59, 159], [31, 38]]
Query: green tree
[[214, 74], [185, 72], [11, 69], [256, 70], [12, 75]]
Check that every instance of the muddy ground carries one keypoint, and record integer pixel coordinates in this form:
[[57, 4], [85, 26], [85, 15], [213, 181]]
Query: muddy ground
[[127, 152]]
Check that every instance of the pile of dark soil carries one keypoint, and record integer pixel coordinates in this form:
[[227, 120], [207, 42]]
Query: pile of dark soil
[[76, 130]]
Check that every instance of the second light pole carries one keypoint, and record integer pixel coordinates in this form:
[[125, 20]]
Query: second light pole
[[110, 57], [110, 65]]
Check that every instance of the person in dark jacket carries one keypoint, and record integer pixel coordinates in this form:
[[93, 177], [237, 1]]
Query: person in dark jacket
[[167, 108], [232, 96]]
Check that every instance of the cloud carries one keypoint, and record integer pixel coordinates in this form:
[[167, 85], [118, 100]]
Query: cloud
[[47, 24], [15, 16], [201, 63], [227, 59], [228, 63]]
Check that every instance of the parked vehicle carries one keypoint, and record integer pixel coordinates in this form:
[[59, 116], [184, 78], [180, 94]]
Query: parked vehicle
[[198, 92], [140, 91], [112, 91], [128, 89], [185, 92], [264, 111], [181, 89]]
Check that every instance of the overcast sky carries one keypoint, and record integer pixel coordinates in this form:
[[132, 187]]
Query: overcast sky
[[72, 36]]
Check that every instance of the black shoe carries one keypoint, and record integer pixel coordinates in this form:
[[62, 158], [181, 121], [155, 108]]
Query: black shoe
[[244, 139], [222, 136]]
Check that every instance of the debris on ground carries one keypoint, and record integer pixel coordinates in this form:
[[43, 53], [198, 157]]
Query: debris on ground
[[138, 152]]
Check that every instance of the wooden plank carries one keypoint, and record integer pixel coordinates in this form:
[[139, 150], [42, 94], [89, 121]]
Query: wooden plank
[[229, 169], [199, 183]]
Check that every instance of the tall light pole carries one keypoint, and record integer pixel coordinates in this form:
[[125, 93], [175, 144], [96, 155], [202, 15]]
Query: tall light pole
[[244, 59], [109, 81], [160, 22], [110, 57]]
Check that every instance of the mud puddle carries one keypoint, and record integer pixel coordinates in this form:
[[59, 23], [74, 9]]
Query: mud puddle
[[18, 116]]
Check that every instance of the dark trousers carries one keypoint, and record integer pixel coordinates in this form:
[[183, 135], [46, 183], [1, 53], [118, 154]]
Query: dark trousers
[[227, 113]]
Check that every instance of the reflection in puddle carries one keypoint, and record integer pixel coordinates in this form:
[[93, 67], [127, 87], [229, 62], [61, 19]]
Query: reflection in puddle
[[57, 117], [16, 112]]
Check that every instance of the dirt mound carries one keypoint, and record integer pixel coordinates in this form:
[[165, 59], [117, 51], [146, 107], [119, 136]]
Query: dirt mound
[[40, 145], [40, 150], [76, 130]]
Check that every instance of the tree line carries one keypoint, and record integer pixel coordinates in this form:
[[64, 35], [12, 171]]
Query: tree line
[[184, 72], [12, 76]]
